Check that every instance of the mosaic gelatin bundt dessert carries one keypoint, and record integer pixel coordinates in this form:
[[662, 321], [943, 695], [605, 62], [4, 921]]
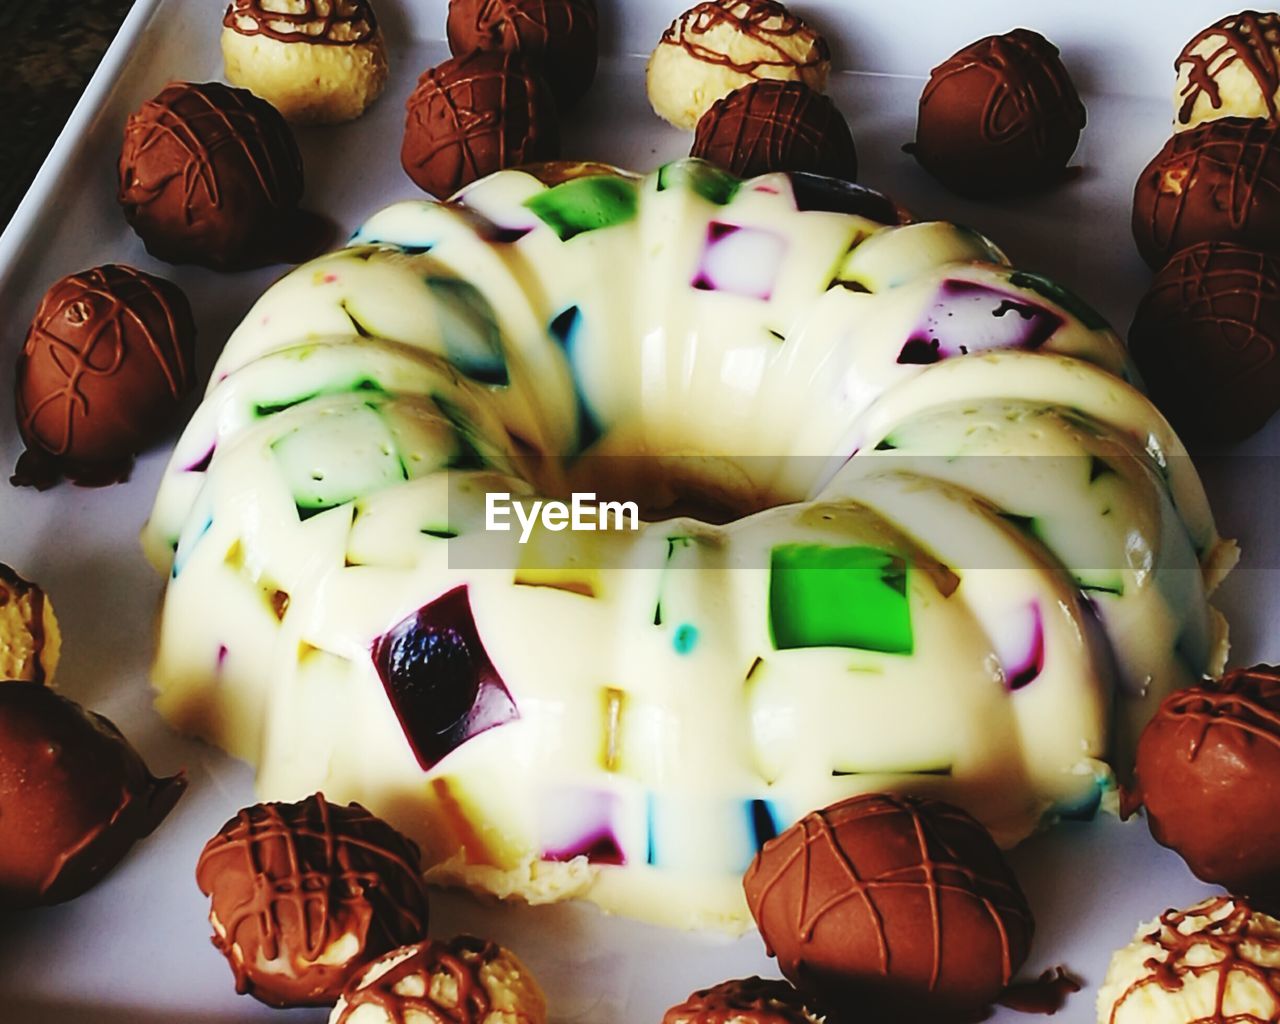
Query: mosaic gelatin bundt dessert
[[908, 524]]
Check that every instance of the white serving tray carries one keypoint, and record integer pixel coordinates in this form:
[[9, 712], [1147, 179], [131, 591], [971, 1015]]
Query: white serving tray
[[135, 950]]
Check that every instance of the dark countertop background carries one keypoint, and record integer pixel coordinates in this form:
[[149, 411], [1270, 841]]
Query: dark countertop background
[[48, 51]]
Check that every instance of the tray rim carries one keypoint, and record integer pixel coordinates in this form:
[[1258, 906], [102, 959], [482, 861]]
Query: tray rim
[[74, 136]]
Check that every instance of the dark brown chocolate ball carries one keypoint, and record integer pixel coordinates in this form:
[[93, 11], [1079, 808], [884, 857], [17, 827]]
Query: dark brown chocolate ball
[[1000, 117], [211, 175], [776, 126], [1219, 182], [74, 797], [474, 115], [891, 908], [304, 895], [107, 362], [1205, 338], [557, 37], [1208, 773], [744, 1001]]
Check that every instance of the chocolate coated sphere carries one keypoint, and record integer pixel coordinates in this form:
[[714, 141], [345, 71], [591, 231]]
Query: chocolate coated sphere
[[1000, 116], [304, 895], [211, 175], [556, 37], [891, 908], [74, 797], [1208, 772], [1219, 182], [1205, 337], [776, 126], [474, 115], [107, 361]]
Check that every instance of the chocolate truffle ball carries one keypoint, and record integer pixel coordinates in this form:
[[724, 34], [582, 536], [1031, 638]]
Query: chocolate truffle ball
[[211, 175], [776, 126], [886, 907], [304, 895], [999, 117], [1208, 772], [465, 980], [1230, 69], [30, 641], [1205, 337], [107, 362], [74, 797], [474, 115], [556, 37], [744, 1001], [721, 45], [1219, 182]]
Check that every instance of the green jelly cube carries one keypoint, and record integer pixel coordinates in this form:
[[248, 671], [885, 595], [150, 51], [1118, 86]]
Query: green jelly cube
[[823, 596], [707, 180], [333, 459], [585, 204]]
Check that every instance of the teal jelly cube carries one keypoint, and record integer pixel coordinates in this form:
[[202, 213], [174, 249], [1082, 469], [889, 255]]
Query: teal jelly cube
[[823, 596], [1065, 298], [585, 204], [469, 327]]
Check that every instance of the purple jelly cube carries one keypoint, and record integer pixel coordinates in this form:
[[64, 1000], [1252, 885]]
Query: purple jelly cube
[[575, 821], [966, 317], [740, 260], [439, 678], [1020, 645]]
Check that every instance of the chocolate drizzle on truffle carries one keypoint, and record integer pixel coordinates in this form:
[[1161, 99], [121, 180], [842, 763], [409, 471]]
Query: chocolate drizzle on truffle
[[557, 37], [1246, 38], [912, 935], [212, 175], [290, 882], [462, 959], [330, 22], [774, 125], [106, 362], [1000, 115], [1208, 772], [754, 1000], [1225, 934], [104, 352], [1205, 338], [763, 21], [1246, 701], [474, 115], [1220, 181], [217, 121], [1015, 97]]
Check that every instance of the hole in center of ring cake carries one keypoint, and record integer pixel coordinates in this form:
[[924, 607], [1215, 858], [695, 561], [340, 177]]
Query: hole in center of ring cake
[[711, 488]]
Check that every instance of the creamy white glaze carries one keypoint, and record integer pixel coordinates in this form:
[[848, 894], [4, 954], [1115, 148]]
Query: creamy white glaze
[[1021, 544]]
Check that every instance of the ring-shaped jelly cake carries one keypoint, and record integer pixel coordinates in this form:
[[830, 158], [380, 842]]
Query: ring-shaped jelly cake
[[909, 524]]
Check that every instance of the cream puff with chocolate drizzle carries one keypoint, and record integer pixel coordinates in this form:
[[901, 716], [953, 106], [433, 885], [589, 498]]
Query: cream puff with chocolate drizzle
[[316, 61]]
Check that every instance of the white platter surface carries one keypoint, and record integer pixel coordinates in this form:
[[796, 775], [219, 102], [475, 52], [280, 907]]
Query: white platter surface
[[135, 950]]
